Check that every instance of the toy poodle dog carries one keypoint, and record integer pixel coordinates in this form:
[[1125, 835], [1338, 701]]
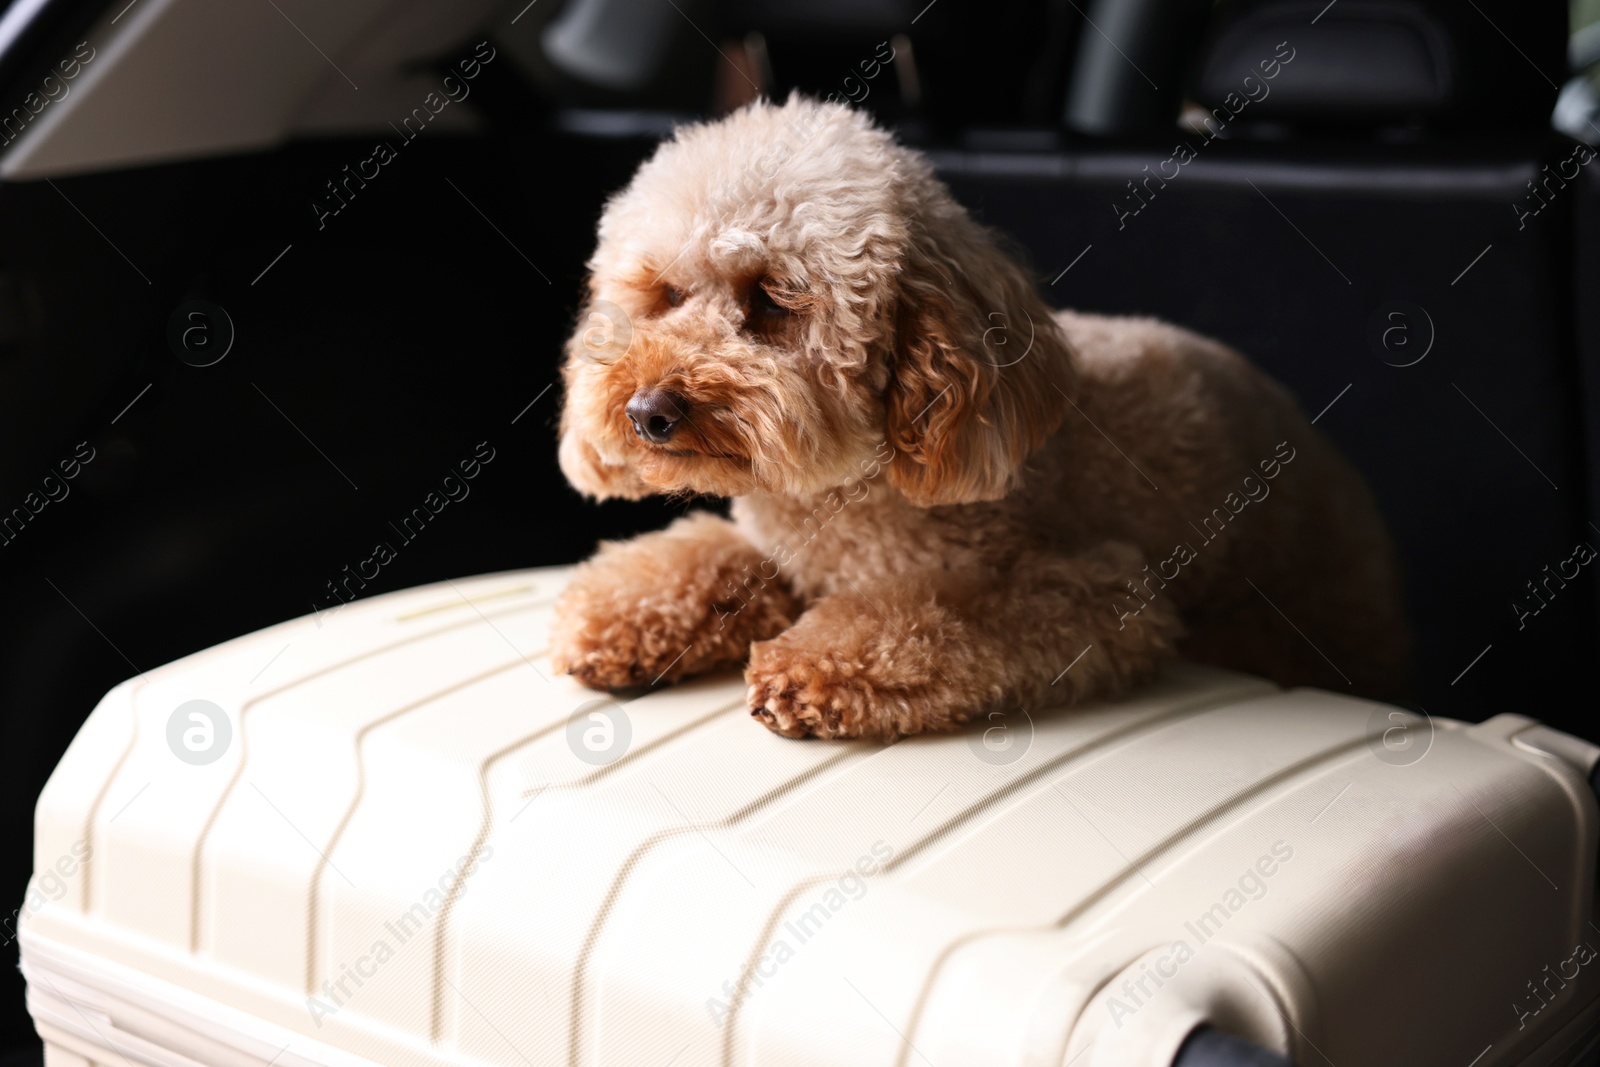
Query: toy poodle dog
[[947, 498]]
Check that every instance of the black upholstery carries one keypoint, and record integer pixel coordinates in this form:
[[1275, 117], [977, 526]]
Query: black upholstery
[[1364, 60], [1455, 66]]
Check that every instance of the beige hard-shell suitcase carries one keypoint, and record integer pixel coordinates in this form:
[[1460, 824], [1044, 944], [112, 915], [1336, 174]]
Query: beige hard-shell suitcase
[[391, 834]]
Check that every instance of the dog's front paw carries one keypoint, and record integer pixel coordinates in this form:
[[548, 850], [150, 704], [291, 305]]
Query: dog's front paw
[[615, 638], [665, 606], [618, 653], [786, 705], [799, 692]]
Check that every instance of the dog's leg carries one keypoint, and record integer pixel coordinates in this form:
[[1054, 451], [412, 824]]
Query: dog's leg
[[894, 657], [665, 605]]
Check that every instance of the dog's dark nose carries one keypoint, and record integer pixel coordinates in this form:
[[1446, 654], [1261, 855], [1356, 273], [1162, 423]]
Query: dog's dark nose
[[655, 414]]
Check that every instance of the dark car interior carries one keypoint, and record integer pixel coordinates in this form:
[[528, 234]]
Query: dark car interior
[[1369, 198]]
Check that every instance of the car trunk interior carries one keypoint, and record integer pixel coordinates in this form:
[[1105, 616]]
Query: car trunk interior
[[377, 344]]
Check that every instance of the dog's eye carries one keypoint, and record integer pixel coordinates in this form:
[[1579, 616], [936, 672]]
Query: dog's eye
[[763, 308], [673, 295]]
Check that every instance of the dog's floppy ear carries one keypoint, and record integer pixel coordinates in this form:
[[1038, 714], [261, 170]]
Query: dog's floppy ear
[[980, 371]]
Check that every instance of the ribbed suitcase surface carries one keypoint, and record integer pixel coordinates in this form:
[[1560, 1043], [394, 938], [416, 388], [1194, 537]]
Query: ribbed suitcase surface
[[393, 835]]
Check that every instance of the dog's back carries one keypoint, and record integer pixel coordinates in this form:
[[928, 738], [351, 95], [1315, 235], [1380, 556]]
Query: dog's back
[[1263, 536]]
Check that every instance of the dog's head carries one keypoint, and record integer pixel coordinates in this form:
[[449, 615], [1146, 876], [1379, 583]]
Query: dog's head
[[776, 296]]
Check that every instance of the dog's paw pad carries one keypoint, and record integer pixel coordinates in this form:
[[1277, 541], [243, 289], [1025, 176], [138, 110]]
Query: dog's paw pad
[[792, 710], [778, 722], [621, 661]]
